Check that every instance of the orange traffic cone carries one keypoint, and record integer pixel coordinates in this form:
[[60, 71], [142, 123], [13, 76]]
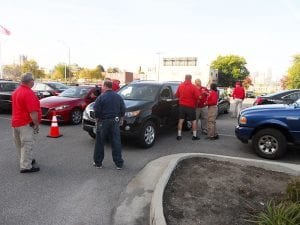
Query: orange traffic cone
[[54, 129]]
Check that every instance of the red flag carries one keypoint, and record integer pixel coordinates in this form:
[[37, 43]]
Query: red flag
[[4, 30]]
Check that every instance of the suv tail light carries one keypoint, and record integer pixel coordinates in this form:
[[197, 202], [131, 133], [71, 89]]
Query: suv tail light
[[258, 101]]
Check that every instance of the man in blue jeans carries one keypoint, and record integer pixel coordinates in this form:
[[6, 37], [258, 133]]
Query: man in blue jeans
[[109, 111]]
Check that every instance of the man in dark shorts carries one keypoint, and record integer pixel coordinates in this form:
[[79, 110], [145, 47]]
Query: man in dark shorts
[[188, 95]]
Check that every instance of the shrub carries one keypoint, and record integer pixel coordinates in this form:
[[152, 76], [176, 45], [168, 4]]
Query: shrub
[[284, 213], [293, 190]]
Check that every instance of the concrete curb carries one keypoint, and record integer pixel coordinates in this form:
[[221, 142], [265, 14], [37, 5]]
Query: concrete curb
[[156, 207]]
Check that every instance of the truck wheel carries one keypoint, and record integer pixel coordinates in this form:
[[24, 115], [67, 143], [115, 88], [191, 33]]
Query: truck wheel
[[187, 125], [269, 143], [147, 135]]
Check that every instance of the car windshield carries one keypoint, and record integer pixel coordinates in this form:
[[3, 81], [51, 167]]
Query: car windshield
[[75, 92], [144, 92], [57, 86]]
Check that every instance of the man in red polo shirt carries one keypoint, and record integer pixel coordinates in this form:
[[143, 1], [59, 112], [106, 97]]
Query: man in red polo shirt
[[238, 96], [188, 96], [26, 116]]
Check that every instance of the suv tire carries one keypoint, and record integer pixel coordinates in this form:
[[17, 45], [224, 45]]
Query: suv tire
[[92, 134], [269, 143], [147, 135]]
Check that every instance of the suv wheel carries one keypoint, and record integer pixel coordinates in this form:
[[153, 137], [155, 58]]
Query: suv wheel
[[76, 116], [187, 125], [269, 143], [147, 135]]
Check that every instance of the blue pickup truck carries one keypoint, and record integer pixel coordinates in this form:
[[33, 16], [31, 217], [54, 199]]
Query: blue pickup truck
[[270, 127]]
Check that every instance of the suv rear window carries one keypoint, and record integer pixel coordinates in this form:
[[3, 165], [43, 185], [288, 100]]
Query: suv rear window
[[8, 86], [144, 92]]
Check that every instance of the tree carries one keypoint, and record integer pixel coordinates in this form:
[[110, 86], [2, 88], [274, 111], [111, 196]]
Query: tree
[[32, 67], [293, 77], [62, 72], [91, 73], [12, 71], [101, 68], [113, 70], [284, 82], [231, 68], [247, 82]]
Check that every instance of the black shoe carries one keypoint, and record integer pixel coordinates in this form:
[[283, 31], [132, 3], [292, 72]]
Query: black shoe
[[178, 138], [32, 170], [98, 166], [195, 138], [33, 162]]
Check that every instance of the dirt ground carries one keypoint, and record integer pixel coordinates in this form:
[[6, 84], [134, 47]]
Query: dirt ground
[[203, 192]]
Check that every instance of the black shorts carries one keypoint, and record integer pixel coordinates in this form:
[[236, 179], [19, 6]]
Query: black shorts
[[187, 113]]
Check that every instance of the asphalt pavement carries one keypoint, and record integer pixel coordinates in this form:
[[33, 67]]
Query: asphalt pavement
[[69, 190]]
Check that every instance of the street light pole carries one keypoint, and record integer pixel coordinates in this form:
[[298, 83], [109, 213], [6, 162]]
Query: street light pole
[[69, 58]]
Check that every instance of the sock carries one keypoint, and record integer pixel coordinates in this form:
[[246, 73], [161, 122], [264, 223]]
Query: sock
[[179, 132], [194, 133]]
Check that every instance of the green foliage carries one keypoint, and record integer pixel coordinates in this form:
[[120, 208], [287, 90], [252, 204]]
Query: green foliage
[[284, 213], [62, 72], [293, 77], [100, 68], [91, 73], [32, 67], [113, 70], [231, 68], [293, 190]]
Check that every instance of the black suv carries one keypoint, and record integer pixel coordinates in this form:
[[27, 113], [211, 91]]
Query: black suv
[[6, 89], [150, 106]]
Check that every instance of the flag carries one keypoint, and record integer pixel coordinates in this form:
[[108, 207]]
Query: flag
[[3, 30]]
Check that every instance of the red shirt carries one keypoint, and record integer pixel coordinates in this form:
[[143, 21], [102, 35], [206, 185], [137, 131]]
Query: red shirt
[[115, 85], [188, 94], [24, 101], [212, 98], [238, 92], [204, 93]]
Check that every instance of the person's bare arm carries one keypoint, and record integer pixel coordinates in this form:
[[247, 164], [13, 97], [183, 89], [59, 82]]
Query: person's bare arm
[[35, 119]]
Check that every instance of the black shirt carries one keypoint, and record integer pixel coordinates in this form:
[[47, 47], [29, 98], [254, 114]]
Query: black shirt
[[109, 105]]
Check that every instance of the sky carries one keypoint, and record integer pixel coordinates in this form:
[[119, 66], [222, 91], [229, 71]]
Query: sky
[[129, 33]]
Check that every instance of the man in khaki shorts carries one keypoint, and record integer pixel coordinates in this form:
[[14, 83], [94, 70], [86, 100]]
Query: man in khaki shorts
[[201, 109], [26, 116]]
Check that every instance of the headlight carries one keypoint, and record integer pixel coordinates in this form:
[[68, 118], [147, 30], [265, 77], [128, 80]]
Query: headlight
[[61, 107], [243, 120], [133, 113]]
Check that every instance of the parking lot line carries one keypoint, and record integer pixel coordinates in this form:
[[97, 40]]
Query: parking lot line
[[227, 135]]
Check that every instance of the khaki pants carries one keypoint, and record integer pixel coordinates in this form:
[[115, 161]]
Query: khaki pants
[[211, 123], [24, 140], [201, 114], [237, 106]]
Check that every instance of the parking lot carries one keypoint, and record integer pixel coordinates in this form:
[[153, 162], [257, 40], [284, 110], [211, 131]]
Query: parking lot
[[69, 190]]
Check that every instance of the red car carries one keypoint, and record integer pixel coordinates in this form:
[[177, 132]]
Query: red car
[[68, 105]]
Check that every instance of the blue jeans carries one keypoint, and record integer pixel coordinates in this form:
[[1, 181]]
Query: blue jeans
[[108, 129]]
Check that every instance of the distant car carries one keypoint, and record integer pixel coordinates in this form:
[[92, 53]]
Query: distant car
[[270, 127], [283, 97], [68, 105], [47, 89], [250, 94], [6, 90]]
